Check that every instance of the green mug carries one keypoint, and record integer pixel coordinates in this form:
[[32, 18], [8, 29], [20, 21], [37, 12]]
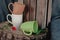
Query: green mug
[[29, 27]]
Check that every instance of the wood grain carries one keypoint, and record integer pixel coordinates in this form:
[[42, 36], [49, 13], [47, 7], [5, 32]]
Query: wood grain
[[32, 10], [45, 15], [41, 13], [26, 11], [49, 12], [36, 10]]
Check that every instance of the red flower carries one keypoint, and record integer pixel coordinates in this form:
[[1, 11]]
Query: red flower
[[13, 28]]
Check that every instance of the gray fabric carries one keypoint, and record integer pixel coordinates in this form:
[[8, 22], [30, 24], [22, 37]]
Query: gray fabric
[[55, 20], [3, 9]]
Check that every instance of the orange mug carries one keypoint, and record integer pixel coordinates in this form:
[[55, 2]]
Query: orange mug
[[18, 8]]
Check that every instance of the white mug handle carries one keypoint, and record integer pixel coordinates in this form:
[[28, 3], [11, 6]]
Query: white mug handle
[[8, 19], [9, 7]]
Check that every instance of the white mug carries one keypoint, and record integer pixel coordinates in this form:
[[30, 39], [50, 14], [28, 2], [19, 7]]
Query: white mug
[[16, 20]]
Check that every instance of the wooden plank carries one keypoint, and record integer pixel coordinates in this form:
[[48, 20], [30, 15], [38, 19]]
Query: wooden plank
[[26, 12], [41, 13], [44, 10], [49, 12], [32, 10], [45, 15]]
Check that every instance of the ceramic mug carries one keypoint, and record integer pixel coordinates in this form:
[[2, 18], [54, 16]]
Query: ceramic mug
[[16, 20], [17, 14], [29, 27], [18, 8]]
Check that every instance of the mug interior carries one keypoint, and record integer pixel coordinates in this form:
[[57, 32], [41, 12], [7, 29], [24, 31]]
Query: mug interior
[[35, 27]]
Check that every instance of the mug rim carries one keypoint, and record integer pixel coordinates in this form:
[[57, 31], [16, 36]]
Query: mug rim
[[16, 14]]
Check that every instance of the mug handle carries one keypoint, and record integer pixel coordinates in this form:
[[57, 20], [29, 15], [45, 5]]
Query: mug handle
[[28, 34], [39, 32], [9, 7], [8, 19]]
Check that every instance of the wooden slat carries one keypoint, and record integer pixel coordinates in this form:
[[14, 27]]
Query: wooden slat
[[49, 11], [32, 9], [45, 15], [41, 13], [26, 12], [36, 9]]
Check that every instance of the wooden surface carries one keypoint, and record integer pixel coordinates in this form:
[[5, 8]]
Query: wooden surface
[[36, 10], [41, 13], [49, 11], [27, 10], [32, 9]]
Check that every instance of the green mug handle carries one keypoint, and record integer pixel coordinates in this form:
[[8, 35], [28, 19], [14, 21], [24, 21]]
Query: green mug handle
[[28, 34], [39, 32]]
